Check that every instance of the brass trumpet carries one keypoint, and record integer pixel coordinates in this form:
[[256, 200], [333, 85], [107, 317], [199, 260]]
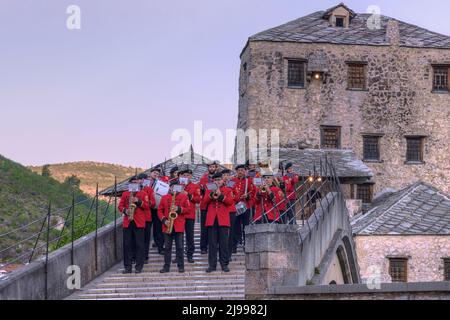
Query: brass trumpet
[[131, 207]]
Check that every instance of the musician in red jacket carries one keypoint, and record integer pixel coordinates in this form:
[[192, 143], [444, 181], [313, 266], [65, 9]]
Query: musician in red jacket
[[213, 168], [244, 190], [291, 180], [192, 190], [133, 229], [181, 206], [218, 223], [146, 187], [268, 197], [229, 183]]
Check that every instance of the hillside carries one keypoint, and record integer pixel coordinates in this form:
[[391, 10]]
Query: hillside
[[89, 173], [24, 197]]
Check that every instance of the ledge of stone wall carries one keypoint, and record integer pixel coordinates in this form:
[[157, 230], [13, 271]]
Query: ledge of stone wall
[[28, 282]]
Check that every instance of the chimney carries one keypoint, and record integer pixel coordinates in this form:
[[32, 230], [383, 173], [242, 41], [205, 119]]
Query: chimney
[[393, 33]]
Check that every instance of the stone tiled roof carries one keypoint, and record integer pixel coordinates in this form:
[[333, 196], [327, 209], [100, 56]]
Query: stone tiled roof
[[197, 163], [304, 161], [416, 209], [314, 28]]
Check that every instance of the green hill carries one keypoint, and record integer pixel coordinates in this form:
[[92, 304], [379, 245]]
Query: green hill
[[89, 173], [24, 197]]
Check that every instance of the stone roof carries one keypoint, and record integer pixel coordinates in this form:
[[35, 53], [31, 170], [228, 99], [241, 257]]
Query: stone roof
[[304, 161], [314, 28], [417, 209], [189, 160]]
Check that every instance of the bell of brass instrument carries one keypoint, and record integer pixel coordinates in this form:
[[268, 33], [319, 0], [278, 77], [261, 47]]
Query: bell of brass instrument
[[131, 207], [172, 214]]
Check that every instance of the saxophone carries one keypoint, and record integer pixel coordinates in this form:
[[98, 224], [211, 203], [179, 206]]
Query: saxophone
[[131, 207], [172, 214]]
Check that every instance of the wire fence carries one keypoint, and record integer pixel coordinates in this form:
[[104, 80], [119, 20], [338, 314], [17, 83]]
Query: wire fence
[[56, 228]]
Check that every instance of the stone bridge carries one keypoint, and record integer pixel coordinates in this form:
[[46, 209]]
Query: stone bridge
[[319, 251]]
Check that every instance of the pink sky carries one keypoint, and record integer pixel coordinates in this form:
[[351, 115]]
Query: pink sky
[[115, 90]]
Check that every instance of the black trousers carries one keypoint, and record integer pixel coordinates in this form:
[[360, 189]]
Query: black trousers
[[157, 231], [203, 231], [232, 244], [218, 237], [190, 244], [241, 222], [290, 214], [168, 241], [133, 236], [147, 235]]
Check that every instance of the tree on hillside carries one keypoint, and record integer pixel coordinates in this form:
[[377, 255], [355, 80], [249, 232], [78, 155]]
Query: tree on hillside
[[46, 171], [73, 181]]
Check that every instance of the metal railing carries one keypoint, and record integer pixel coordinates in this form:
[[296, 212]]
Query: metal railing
[[43, 235], [309, 193]]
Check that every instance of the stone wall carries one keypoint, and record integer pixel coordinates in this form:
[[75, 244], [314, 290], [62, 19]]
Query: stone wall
[[425, 255], [398, 102]]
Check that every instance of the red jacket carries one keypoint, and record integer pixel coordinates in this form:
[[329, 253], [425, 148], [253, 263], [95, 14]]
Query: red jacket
[[290, 186], [139, 213], [181, 200], [202, 183], [232, 207], [151, 203], [219, 208], [195, 197], [270, 202], [239, 190]]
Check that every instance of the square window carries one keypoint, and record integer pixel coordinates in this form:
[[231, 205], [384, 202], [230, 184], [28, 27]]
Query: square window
[[440, 78], [296, 73], [414, 149], [356, 76], [447, 269], [340, 22], [364, 193], [330, 137], [371, 148], [398, 269]]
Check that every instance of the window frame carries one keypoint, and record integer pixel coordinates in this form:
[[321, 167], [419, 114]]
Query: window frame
[[422, 149], [296, 60], [403, 260], [378, 136], [322, 136], [433, 84], [370, 192], [446, 262], [351, 64]]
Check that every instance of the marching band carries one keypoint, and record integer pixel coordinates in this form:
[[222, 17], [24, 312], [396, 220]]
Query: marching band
[[166, 207]]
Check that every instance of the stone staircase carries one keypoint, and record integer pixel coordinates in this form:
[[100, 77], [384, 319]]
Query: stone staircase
[[194, 284]]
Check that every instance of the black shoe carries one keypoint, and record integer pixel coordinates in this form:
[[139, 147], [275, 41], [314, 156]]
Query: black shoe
[[161, 252], [209, 270], [225, 269], [164, 270], [204, 252], [234, 250], [146, 261], [181, 270], [174, 261], [190, 260], [126, 271], [138, 271]]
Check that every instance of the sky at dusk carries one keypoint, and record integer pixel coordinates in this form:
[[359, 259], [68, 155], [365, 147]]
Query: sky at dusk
[[115, 90]]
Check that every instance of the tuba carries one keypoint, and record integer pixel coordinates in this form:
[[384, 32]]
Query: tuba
[[172, 214]]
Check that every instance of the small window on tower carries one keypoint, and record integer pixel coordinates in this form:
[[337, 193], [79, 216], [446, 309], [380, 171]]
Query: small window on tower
[[330, 137], [414, 149], [364, 193], [371, 148], [356, 77], [441, 76], [296, 73], [339, 22], [447, 269], [398, 269]]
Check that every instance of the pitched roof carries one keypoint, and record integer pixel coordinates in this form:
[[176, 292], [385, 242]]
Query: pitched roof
[[304, 161], [416, 209], [197, 163], [314, 28]]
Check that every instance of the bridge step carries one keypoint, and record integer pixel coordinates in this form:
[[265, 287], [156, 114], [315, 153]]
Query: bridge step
[[194, 283]]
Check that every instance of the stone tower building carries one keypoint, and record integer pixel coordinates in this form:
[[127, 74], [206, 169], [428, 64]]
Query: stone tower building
[[343, 80]]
